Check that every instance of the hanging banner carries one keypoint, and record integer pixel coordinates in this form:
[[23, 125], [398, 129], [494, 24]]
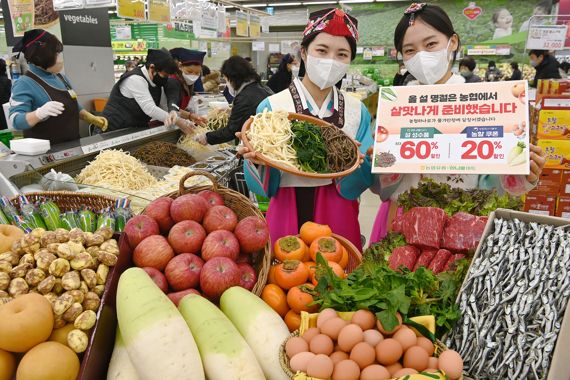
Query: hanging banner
[[241, 24], [474, 128], [546, 37], [131, 9], [21, 15], [159, 10], [254, 26]]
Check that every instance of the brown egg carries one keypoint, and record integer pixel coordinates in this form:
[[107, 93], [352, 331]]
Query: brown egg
[[349, 336], [416, 358], [375, 372], [393, 368], [363, 354], [296, 345], [332, 327], [321, 366], [384, 332], [364, 318], [406, 337], [346, 370], [300, 361], [324, 316], [389, 351], [337, 356], [321, 344], [426, 344], [373, 337], [311, 333], [405, 372], [432, 362], [451, 363]]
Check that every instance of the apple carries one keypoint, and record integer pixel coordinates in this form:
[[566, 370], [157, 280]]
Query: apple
[[243, 259], [139, 228], [248, 277], [220, 243], [177, 297], [159, 210], [154, 252], [213, 198], [183, 271], [187, 237], [252, 234], [157, 277], [218, 274], [220, 218], [188, 207]]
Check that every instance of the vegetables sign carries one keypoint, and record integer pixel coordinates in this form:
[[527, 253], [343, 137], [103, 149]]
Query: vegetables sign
[[476, 128]]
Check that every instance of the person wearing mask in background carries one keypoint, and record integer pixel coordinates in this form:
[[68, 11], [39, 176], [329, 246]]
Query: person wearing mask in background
[[135, 98], [5, 92], [129, 65], [493, 74], [281, 80], [327, 49], [43, 103], [467, 70], [430, 59], [546, 66], [563, 69], [244, 85], [181, 85], [401, 76], [517, 74]]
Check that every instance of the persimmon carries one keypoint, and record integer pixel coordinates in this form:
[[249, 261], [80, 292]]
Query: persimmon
[[336, 269], [271, 274], [275, 297], [290, 248], [311, 231], [312, 267], [291, 273], [299, 301], [344, 260], [292, 320], [329, 247]]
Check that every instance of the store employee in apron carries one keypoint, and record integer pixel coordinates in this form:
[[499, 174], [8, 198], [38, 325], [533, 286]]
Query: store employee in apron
[[43, 103]]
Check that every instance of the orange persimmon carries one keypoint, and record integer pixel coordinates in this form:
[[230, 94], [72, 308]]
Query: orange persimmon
[[336, 269], [299, 301], [275, 297], [290, 248], [329, 247], [311, 266], [344, 260], [310, 231], [292, 320], [291, 273], [271, 274]]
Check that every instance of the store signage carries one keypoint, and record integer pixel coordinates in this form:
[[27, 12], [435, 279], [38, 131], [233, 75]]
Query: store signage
[[124, 46], [106, 144], [159, 10], [21, 16], [123, 32], [258, 46], [475, 128], [274, 48], [241, 24], [472, 11], [131, 9], [488, 49], [254, 26], [546, 37], [85, 27]]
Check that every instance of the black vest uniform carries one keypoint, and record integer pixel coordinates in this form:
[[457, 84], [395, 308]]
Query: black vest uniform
[[123, 112]]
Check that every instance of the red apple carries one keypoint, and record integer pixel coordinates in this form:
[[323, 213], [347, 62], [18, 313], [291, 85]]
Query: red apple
[[248, 276], [177, 297], [187, 237], [158, 278], [243, 259], [220, 244], [154, 252], [218, 274], [252, 234], [183, 271], [220, 218], [213, 198], [188, 207], [159, 210], [140, 227]]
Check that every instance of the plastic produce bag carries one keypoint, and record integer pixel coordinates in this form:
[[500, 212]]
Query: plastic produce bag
[[57, 181]]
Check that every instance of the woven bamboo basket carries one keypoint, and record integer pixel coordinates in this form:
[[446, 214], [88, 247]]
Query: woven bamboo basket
[[69, 200], [291, 169], [243, 208]]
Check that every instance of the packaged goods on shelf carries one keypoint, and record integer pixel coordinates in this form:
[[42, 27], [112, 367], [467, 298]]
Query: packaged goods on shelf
[[557, 153], [553, 124]]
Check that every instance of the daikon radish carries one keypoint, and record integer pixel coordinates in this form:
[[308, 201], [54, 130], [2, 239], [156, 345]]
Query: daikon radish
[[263, 329], [225, 354], [157, 339], [120, 366]]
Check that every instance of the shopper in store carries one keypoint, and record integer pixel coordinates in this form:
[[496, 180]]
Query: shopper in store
[[5, 92], [563, 69], [327, 49], [43, 103], [135, 98], [244, 84], [281, 80], [545, 64], [467, 70], [210, 80], [493, 74], [430, 60], [401, 76], [517, 74]]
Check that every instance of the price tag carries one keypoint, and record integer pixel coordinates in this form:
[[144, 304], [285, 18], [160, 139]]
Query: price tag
[[546, 37], [115, 141], [453, 129]]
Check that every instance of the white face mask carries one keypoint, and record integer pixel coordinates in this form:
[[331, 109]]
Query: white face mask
[[429, 67], [295, 71], [325, 72], [58, 65], [190, 78]]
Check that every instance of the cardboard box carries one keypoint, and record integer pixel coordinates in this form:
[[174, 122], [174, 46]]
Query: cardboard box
[[563, 207], [565, 183], [550, 182], [540, 204], [554, 124], [557, 153]]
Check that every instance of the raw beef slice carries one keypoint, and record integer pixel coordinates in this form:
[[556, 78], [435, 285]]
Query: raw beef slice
[[423, 226], [406, 256], [425, 258], [450, 263], [438, 263], [463, 232]]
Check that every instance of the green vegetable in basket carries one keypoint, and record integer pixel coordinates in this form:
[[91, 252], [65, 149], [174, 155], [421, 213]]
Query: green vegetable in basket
[[51, 214], [309, 146], [10, 212], [87, 220], [106, 219], [3, 218], [122, 213], [69, 220], [31, 213]]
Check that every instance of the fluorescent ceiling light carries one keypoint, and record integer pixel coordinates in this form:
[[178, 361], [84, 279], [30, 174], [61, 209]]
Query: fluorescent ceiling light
[[320, 2], [284, 4], [355, 1], [255, 5]]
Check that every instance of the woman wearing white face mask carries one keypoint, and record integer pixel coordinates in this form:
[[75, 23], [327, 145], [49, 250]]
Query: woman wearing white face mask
[[43, 103], [428, 44], [328, 47]]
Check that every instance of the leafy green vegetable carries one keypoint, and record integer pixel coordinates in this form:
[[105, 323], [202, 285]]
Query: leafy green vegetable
[[380, 252], [310, 147], [475, 201], [384, 291]]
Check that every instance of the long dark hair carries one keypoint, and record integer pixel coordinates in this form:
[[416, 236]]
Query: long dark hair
[[43, 52], [238, 70]]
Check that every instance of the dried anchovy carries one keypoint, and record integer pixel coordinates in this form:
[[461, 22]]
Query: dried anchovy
[[385, 160], [161, 153], [340, 149], [513, 302]]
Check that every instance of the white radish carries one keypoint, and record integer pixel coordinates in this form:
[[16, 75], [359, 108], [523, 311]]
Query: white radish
[[120, 366]]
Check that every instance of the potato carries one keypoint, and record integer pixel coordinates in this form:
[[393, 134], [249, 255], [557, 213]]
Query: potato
[[4, 280], [57, 288], [31, 244], [86, 320], [77, 340], [99, 290], [77, 235], [37, 233], [58, 322], [49, 237], [44, 260], [63, 235], [78, 295], [10, 257], [107, 258], [64, 251], [17, 247], [91, 301], [35, 276], [106, 232], [93, 240], [60, 334], [46, 285], [83, 288], [20, 270], [71, 280], [59, 267], [76, 247], [51, 297], [73, 312], [4, 294], [5, 267], [81, 261], [27, 259], [17, 287], [102, 273], [90, 277], [53, 247], [62, 303]]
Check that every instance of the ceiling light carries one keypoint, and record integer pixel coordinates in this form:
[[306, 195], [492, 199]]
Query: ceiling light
[[355, 1], [255, 5], [284, 4], [320, 2]]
